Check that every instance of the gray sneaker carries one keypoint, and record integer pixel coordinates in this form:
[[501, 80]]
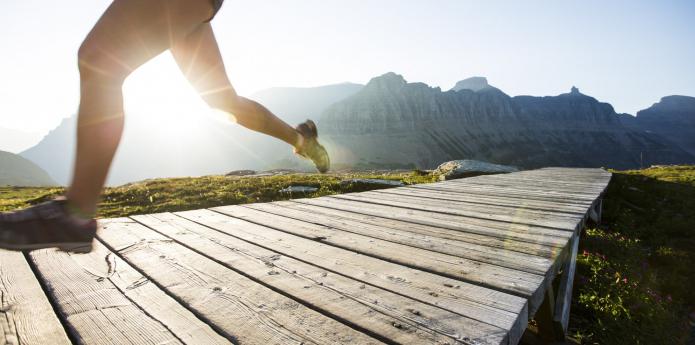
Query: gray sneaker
[[46, 225], [311, 149]]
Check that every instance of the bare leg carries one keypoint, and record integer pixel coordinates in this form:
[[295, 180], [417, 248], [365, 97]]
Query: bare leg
[[130, 33], [199, 58]]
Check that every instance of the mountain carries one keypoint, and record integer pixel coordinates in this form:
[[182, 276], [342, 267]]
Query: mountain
[[197, 145], [296, 104], [391, 122], [673, 118], [18, 171], [473, 84], [13, 140]]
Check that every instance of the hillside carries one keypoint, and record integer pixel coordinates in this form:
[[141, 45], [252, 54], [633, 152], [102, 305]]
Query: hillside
[[391, 121], [18, 171]]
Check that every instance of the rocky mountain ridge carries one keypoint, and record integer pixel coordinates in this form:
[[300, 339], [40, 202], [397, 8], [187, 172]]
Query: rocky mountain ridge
[[391, 121]]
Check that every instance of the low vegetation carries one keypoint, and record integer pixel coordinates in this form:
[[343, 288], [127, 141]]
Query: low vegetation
[[179, 194], [635, 270]]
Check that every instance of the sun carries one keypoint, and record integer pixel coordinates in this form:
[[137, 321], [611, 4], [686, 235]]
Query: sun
[[159, 91]]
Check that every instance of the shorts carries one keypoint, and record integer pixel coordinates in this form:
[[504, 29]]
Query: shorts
[[216, 5]]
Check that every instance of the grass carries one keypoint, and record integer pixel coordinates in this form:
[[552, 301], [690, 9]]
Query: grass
[[635, 272], [179, 194]]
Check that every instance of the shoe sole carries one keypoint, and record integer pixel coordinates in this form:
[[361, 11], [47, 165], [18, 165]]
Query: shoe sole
[[70, 247]]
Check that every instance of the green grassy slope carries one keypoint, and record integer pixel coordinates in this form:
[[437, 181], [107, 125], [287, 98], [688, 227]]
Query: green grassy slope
[[636, 270]]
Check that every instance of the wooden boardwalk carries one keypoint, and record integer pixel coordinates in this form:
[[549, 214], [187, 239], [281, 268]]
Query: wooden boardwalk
[[466, 261]]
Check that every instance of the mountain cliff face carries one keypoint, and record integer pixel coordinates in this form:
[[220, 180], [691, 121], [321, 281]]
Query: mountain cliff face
[[391, 122], [672, 118], [17, 171]]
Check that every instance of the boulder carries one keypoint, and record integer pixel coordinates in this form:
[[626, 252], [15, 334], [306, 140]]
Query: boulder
[[468, 167]]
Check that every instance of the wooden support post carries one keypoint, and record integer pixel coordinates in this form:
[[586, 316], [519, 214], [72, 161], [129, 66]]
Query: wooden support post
[[553, 315], [561, 315], [595, 211]]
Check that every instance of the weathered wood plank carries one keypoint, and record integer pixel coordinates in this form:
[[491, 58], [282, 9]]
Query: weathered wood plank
[[495, 256], [417, 232], [503, 192], [562, 307], [392, 316], [538, 205], [552, 183], [512, 190], [543, 186], [95, 309], [476, 272], [238, 307], [517, 215], [26, 315], [520, 232], [466, 299]]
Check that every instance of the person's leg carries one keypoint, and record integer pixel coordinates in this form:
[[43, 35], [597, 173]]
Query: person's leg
[[130, 33], [199, 58]]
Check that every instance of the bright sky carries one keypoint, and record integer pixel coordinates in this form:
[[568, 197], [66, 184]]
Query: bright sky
[[629, 53]]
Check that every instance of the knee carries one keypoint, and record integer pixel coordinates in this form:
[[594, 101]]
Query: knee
[[94, 64]]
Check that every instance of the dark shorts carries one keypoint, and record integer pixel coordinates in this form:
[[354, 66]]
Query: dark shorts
[[216, 5]]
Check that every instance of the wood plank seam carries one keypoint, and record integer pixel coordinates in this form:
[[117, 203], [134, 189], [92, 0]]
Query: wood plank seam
[[219, 241], [312, 307], [328, 269], [424, 269], [202, 318], [51, 299], [444, 198], [378, 202]]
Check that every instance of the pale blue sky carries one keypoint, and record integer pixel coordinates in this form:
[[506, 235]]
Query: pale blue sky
[[627, 53]]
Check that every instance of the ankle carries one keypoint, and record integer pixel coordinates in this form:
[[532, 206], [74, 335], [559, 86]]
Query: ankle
[[299, 141], [79, 212]]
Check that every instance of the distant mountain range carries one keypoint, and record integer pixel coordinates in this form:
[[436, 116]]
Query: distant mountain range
[[203, 146], [394, 123], [390, 123], [18, 171]]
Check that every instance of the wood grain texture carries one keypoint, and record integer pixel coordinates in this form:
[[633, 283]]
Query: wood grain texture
[[378, 311], [517, 215], [495, 256], [487, 305], [508, 192], [26, 315], [476, 272], [95, 309], [238, 307], [393, 229], [503, 230], [537, 205]]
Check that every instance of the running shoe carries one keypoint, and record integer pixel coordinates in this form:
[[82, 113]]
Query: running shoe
[[311, 149], [46, 225]]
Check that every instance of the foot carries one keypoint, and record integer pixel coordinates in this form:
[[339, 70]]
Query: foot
[[310, 147], [46, 225]]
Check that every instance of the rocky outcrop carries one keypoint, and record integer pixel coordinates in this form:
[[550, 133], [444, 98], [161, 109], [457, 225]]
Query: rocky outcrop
[[467, 168], [672, 118], [391, 121], [473, 84]]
